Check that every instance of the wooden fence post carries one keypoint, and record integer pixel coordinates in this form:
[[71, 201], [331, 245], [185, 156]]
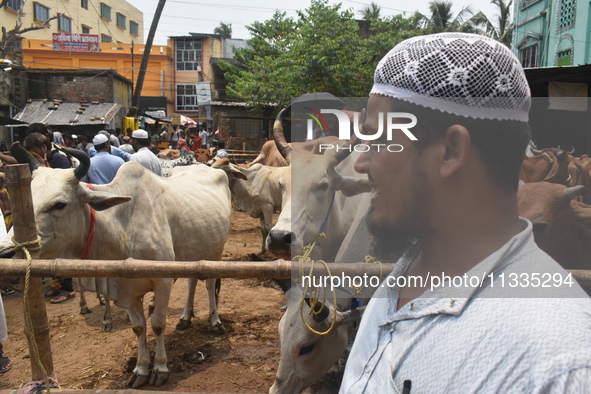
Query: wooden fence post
[[18, 181]]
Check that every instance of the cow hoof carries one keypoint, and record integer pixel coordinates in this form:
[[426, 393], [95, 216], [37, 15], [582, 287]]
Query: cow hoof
[[107, 326], [219, 326], [158, 378], [85, 310], [137, 381], [183, 324]]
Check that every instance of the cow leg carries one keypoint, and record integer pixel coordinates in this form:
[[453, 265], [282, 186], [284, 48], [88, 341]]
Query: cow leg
[[161, 297], [84, 309], [213, 290], [185, 321], [107, 324], [140, 374], [266, 225]]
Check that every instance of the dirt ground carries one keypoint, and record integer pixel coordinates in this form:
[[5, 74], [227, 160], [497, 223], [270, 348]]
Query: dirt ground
[[242, 359]]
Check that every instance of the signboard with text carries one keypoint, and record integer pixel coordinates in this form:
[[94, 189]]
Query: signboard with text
[[75, 42]]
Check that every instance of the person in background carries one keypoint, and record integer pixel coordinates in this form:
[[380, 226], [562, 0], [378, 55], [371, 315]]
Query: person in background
[[183, 147], [113, 140], [37, 145], [58, 139], [5, 203], [143, 154], [55, 157], [103, 166], [122, 153], [5, 362], [175, 137]]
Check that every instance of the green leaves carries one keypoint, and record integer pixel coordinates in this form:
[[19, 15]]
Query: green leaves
[[320, 51]]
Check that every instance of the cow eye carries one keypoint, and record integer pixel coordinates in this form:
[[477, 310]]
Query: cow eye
[[306, 350], [323, 187], [58, 206]]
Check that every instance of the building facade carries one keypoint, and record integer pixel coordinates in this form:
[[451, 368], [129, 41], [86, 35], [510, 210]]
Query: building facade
[[552, 32], [114, 21]]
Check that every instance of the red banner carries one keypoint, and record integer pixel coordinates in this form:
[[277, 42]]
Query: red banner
[[75, 42]]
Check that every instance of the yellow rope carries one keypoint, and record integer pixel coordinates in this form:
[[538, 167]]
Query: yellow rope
[[28, 320], [305, 258]]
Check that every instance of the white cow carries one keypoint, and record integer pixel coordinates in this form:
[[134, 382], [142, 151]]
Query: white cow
[[307, 357], [137, 215], [261, 194], [168, 165]]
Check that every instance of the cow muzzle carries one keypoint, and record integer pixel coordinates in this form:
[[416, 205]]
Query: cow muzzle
[[279, 242]]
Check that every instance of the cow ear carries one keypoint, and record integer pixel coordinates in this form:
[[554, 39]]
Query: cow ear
[[104, 200], [224, 164]]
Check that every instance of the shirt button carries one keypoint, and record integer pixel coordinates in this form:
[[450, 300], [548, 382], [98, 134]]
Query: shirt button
[[411, 306], [452, 303], [367, 369]]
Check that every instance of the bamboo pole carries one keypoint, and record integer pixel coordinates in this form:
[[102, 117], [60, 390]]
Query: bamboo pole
[[132, 268], [18, 181]]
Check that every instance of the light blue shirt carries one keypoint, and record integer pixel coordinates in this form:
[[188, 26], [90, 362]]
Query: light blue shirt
[[146, 158], [103, 168], [114, 151], [453, 340]]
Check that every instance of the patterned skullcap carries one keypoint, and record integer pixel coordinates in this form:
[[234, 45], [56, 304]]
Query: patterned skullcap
[[464, 74]]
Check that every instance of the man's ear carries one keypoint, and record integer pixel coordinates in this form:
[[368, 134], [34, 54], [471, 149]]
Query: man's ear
[[457, 144]]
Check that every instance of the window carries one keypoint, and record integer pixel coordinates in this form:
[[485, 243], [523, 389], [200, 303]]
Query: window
[[529, 56], [121, 20], [564, 58], [14, 4], [105, 11], [188, 53], [106, 38], [41, 12], [133, 28], [186, 98], [64, 24], [84, 4], [85, 29], [566, 18]]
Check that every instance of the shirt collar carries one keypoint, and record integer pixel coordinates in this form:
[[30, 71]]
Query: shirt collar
[[452, 300]]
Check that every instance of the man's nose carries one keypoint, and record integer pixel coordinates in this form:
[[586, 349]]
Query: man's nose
[[362, 163]]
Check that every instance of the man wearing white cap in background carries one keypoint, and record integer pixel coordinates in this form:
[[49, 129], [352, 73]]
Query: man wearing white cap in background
[[114, 150], [103, 165], [143, 155], [447, 204]]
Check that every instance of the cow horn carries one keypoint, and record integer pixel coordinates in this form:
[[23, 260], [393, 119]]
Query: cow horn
[[345, 151], [349, 316], [573, 192], [279, 137], [537, 151], [84, 160], [24, 157], [321, 311], [570, 152]]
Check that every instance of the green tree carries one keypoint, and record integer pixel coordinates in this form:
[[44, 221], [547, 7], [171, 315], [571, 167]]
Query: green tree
[[371, 12], [320, 51], [443, 20], [503, 30], [224, 29]]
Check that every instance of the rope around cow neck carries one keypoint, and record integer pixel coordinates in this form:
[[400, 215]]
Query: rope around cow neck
[[23, 246], [305, 258]]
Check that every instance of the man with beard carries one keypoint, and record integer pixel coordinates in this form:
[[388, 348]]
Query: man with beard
[[447, 204]]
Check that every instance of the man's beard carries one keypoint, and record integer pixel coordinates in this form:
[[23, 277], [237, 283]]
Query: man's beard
[[392, 240]]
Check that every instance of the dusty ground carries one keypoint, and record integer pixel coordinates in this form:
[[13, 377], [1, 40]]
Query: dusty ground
[[242, 359]]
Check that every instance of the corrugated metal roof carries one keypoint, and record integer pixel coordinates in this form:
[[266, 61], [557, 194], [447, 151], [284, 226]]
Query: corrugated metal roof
[[66, 114]]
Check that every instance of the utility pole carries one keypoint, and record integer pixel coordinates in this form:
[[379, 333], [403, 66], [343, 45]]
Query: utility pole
[[140, 78], [132, 69]]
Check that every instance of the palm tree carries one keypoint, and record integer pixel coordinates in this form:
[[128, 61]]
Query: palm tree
[[371, 12], [442, 18], [503, 32], [224, 29]]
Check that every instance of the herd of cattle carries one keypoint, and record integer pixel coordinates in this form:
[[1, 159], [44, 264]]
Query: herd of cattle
[[138, 215]]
